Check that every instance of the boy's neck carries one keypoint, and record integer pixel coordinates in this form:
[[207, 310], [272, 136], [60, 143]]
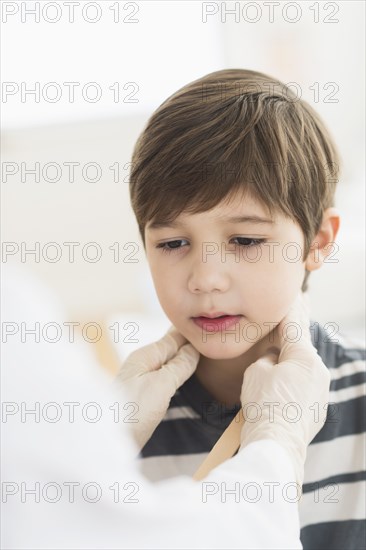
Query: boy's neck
[[223, 378]]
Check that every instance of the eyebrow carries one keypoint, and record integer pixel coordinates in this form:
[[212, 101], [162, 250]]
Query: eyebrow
[[233, 219]]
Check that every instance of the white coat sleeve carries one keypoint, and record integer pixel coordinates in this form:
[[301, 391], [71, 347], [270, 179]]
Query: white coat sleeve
[[70, 479]]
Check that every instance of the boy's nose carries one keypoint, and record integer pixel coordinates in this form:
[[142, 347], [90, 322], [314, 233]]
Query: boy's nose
[[209, 275]]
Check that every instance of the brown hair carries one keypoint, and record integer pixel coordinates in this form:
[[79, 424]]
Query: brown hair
[[234, 130]]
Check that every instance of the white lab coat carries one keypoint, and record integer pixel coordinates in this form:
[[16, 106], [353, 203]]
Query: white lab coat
[[77, 485]]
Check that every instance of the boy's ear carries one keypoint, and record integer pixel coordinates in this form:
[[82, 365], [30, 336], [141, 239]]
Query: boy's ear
[[322, 245]]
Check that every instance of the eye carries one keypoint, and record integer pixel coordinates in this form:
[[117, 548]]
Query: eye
[[170, 246], [255, 242]]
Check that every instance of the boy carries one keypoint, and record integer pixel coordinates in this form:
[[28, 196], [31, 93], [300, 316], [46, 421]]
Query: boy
[[232, 185]]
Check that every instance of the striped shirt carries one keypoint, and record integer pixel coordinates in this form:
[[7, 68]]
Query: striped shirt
[[332, 508]]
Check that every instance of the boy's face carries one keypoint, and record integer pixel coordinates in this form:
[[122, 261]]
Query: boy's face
[[209, 268]]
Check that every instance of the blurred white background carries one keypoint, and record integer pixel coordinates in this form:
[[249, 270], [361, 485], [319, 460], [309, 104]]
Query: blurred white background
[[146, 51]]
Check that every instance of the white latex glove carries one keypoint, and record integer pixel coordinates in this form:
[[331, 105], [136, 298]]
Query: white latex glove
[[295, 375], [151, 375]]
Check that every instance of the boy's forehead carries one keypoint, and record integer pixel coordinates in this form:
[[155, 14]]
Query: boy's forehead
[[229, 216], [237, 210]]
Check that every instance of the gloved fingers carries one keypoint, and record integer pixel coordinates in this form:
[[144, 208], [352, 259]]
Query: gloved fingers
[[257, 372], [260, 369], [294, 332], [173, 331], [266, 362], [305, 371], [294, 325], [178, 369], [152, 356], [154, 394], [297, 321], [273, 352]]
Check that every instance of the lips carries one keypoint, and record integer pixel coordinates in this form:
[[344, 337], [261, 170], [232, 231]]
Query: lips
[[213, 315], [213, 324]]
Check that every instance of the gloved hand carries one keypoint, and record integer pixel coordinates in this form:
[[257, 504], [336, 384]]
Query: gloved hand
[[151, 375], [293, 374]]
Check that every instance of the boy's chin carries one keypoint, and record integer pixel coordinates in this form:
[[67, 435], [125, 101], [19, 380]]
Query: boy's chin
[[226, 350]]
